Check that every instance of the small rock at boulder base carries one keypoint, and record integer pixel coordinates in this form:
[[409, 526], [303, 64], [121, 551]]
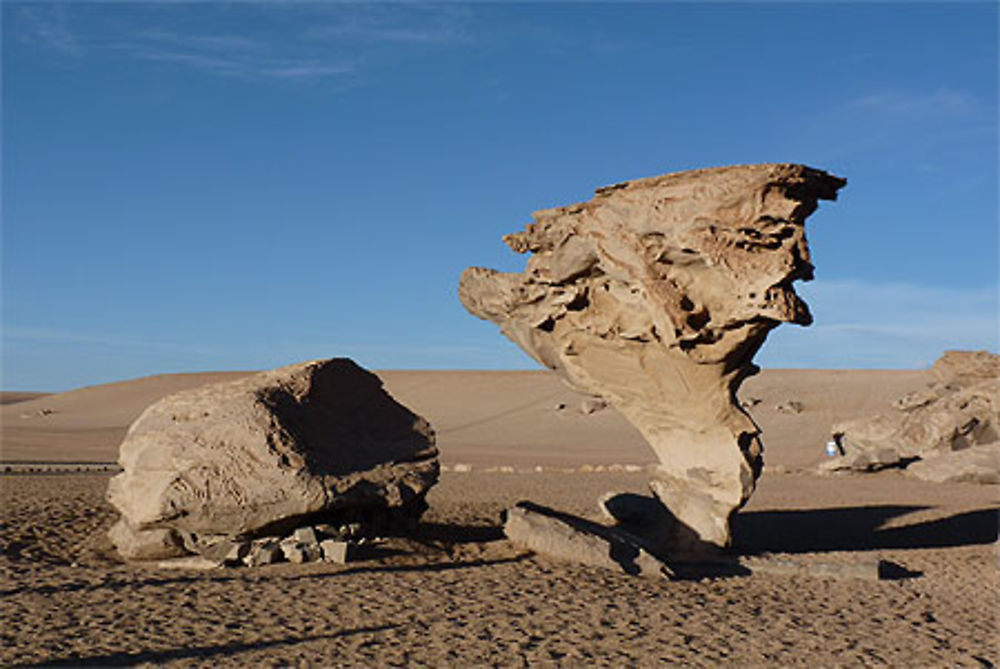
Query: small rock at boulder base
[[227, 551], [299, 552], [152, 544], [306, 535], [264, 552], [335, 551], [315, 442]]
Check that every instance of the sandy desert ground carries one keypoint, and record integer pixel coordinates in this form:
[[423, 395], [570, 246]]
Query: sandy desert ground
[[458, 594]]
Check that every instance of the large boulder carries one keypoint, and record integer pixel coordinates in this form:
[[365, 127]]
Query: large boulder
[[267, 453], [655, 295], [959, 409]]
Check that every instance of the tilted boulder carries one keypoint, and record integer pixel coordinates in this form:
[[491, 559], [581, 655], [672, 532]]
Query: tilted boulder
[[264, 454], [958, 410], [655, 295]]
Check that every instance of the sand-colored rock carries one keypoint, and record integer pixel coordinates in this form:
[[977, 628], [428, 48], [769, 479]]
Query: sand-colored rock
[[979, 464], [318, 440], [958, 410], [655, 295], [965, 368], [151, 544], [570, 538]]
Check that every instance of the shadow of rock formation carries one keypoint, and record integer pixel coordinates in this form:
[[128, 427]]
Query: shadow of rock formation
[[858, 528]]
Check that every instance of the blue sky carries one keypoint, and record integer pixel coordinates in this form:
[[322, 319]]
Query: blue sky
[[192, 187]]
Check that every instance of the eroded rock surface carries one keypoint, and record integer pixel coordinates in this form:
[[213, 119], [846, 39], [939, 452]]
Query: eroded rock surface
[[952, 425], [977, 464], [655, 295], [314, 442], [569, 538]]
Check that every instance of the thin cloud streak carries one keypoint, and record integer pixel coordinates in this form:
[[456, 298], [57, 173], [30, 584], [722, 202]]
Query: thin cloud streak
[[206, 42], [45, 335], [900, 105], [860, 324], [886, 123], [48, 25], [249, 69], [312, 47]]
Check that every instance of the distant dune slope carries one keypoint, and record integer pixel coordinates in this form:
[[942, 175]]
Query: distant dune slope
[[521, 418], [15, 396]]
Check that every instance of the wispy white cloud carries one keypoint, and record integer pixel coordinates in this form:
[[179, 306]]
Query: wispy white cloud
[[894, 125], [48, 25], [42, 335], [405, 24], [208, 42], [233, 55], [905, 105], [256, 41], [885, 325], [243, 66]]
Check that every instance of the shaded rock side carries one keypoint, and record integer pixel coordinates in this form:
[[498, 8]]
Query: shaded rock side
[[655, 295], [252, 456]]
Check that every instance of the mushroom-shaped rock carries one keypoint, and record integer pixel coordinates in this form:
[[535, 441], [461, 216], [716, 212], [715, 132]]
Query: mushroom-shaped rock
[[268, 452], [655, 295]]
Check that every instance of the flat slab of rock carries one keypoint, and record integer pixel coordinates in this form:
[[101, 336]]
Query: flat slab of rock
[[318, 441], [572, 539], [568, 538]]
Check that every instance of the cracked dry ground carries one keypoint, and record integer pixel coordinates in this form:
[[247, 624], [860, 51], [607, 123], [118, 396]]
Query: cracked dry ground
[[459, 595]]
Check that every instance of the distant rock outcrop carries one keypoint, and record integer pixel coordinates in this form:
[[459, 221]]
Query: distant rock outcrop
[[655, 295], [953, 426], [313, 442]]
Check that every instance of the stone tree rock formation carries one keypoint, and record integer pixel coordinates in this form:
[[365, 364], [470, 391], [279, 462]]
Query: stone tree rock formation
[[655, 295], [313, 442]]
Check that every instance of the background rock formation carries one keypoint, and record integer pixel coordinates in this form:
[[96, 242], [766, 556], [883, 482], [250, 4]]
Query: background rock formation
[[655, 295], [316, 441], [952, 426]]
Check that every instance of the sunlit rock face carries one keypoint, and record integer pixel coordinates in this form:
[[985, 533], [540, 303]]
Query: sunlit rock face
[[315, 442], [655, 295]]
